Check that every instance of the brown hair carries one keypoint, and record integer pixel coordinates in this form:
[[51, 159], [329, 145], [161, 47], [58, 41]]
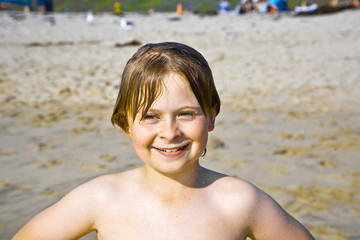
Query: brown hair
[[142, 79]]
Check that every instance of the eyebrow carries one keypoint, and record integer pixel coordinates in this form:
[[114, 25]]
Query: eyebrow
[[196, 107]]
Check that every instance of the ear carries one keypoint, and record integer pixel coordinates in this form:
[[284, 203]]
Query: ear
[[212, 121], [128, 132], [129, 125]]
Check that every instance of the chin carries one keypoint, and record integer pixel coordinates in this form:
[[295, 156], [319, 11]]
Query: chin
[[176, 168]]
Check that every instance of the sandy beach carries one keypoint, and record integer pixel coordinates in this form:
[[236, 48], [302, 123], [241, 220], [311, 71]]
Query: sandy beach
[[289, 123]]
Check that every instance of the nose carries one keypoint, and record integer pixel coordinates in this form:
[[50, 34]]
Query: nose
[[170, 129]]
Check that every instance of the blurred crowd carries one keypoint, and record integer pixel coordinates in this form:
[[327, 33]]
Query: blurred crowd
[[272, 6], [43, 6], [261, 6], [241, 7]]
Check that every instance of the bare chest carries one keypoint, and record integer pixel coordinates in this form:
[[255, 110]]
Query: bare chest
[[154, 222]]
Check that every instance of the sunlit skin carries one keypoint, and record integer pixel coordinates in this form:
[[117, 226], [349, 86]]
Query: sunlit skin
[[173, 134], [171, 197]]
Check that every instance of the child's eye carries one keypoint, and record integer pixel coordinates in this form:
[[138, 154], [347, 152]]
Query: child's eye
[[149, 118], [187, 115]]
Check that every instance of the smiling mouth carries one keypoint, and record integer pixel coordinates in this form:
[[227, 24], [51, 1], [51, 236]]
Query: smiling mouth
[[170, 150]]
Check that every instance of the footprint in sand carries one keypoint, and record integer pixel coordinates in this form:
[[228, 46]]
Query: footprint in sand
[[291, 136], [107, 158], [94, 166], [53, 162], [215, 142], [42, 146], [85, 128], [4, 183], [6, 152], [277, 168], [47, 192], [42, 120]]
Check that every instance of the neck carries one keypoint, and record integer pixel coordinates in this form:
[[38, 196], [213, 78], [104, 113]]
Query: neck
[[171, 186]]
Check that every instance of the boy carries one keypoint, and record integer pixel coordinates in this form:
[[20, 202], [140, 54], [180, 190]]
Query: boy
[[167, 104]]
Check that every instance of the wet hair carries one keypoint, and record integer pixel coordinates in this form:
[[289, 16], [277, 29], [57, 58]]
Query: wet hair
[[142, 80]]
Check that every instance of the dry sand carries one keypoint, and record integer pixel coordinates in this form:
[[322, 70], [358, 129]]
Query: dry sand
[[290, 119]]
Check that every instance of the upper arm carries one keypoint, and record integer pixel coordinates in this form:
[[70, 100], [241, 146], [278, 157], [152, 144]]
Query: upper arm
[[270, 221], [69, 218]]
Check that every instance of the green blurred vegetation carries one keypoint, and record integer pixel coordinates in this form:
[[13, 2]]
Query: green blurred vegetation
[[157, 5]]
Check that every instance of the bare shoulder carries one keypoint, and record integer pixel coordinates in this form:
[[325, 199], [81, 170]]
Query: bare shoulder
[[103, 186], [75, 214], [236, 193], [227, 186], [90, 196], [255, 210]]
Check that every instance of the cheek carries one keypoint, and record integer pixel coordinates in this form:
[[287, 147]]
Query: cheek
[[198, 131], [141, 137]]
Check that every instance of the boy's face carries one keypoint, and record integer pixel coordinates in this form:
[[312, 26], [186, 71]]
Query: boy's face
[[173, 133]]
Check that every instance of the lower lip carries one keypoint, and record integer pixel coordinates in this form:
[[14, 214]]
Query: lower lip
[[172, 154]]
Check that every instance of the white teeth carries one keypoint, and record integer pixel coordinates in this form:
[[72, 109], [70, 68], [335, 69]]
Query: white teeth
[[174, 150], [170, 150]]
